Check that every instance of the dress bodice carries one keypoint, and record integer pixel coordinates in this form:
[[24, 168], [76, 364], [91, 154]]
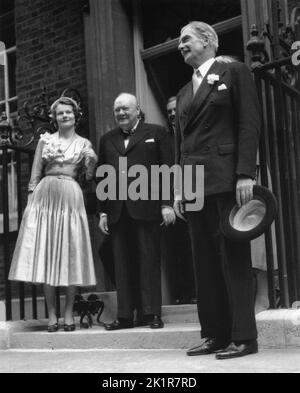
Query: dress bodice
[[53, 159]]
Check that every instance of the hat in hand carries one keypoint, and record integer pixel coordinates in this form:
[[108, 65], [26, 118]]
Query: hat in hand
[[251, 220]]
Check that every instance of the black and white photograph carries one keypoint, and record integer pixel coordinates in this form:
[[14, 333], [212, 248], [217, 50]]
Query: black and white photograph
[[149, 189]]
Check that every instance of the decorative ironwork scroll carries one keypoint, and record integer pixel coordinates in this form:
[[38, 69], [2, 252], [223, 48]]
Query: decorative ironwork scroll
[[265, 46], [32, 121]]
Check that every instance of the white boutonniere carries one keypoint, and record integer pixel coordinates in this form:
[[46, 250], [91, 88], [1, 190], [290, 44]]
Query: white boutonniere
[[212, 79]]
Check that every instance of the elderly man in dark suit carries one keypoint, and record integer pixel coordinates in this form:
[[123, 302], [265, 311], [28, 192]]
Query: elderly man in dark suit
[[134, 223], [218, 126]]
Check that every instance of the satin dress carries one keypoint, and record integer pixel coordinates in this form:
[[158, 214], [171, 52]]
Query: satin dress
[[53, 245]]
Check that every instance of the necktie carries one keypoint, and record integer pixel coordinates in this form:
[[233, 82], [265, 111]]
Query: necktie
[[196, 79]]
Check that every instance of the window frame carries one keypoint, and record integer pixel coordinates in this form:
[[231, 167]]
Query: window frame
[[12, 181], [154, 106], [7, 98], [6, 101], [172, 45]]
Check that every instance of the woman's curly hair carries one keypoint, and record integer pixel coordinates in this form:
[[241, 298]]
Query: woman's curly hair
[[65, 101]]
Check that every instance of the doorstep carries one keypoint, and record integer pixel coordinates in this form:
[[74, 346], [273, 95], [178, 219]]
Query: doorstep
[[279, 329]]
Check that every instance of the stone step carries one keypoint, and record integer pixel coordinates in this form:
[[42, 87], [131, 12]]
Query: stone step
[[180, 314], [33, 335], [276, 329], [171, 314]]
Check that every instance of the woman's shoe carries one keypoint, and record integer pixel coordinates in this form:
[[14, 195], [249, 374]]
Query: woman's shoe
[[69, 328], [53, 328]]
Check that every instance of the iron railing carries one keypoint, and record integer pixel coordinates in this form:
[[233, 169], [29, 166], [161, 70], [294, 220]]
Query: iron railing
[[21, 293], [18, 140], [280, 156], [22, 157]]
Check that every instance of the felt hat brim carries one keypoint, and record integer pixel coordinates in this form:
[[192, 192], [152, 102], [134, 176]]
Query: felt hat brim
[[251, 220]]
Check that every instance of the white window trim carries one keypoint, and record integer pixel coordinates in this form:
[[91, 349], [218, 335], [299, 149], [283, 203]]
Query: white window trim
[[144, 92], [13, 213], [7, 99]]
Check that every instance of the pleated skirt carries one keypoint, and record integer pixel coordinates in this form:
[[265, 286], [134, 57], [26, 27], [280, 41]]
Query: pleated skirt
[[54, 246]]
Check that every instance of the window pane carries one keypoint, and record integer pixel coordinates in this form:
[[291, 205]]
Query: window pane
[[2, 92], [7, 29], [13, 108], [12, 73], [11, 182], [163, 19], [2, 109], [6, 6]]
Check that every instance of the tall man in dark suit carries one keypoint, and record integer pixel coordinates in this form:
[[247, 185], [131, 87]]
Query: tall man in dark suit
[[218, 125], [134, 223]]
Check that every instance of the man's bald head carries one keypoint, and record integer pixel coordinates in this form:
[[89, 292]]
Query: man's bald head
[[126, 111], [128, 97]]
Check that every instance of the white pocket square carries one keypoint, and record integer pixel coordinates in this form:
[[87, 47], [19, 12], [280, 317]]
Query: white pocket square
[[222, 87], [150, 141]]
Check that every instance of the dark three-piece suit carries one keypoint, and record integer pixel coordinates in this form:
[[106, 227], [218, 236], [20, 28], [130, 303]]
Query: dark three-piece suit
[[134, 225], [219, 128]]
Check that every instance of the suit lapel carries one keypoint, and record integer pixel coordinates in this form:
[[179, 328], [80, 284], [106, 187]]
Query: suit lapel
[[185, 99], [204, 92], [137, 136], [118, 141]]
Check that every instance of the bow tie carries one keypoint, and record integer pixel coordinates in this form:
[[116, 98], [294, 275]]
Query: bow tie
[[128, 133]]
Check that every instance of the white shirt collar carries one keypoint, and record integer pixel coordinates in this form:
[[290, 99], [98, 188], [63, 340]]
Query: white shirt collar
[[136, 125], [204, 68]]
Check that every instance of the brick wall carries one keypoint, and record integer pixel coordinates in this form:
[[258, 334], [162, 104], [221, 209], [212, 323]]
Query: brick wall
[[50, 49]]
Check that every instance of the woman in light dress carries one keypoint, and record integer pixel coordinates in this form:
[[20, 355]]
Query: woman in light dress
[[53, 246]]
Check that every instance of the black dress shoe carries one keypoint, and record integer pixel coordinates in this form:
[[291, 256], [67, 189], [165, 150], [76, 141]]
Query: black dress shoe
[[69, 328], [53, 328], [210, 346], [156, 322], [238, 350], [119, 324]]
